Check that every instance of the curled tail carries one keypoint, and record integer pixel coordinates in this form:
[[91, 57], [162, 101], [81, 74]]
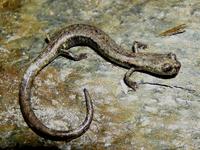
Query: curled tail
[[37, 126]]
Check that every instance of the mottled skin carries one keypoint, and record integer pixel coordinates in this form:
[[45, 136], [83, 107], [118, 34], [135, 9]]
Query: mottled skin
[[161, 65]]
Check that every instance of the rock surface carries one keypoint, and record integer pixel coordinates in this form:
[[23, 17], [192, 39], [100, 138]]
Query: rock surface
[[153, 117]]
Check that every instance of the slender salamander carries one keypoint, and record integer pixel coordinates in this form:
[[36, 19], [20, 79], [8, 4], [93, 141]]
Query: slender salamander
[[160, 65]]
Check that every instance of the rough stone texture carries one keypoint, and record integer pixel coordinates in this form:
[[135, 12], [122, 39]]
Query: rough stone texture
[[153, 117]]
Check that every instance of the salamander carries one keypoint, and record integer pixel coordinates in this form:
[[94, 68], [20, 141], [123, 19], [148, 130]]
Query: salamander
[[160, 65]]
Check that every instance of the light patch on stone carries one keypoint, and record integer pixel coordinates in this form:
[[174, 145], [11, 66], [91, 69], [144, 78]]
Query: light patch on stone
[[64, 73], [124, 87]]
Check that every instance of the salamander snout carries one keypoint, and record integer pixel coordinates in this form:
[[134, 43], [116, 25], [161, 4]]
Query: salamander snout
[[177, 66]]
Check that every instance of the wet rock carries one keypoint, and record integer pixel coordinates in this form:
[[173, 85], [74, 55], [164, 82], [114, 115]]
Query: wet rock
[[153, 117]]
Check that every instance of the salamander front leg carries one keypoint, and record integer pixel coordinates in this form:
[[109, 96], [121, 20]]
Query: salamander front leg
[[72, 56], [138, 46], [128, 80]]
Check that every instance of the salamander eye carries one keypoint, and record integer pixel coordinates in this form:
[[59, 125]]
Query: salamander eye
[[172, 56], [167, 67]]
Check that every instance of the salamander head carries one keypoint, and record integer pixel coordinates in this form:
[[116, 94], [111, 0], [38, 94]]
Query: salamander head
[[162, 65], [171, 66]]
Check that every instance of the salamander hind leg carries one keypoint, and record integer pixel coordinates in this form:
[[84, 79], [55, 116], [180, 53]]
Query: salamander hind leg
[[47, 38], [72, 56], [66, 53], [138, 46], [128, 80]]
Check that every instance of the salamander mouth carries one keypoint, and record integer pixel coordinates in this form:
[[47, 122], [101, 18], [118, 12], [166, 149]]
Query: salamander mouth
[[177, 66]]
